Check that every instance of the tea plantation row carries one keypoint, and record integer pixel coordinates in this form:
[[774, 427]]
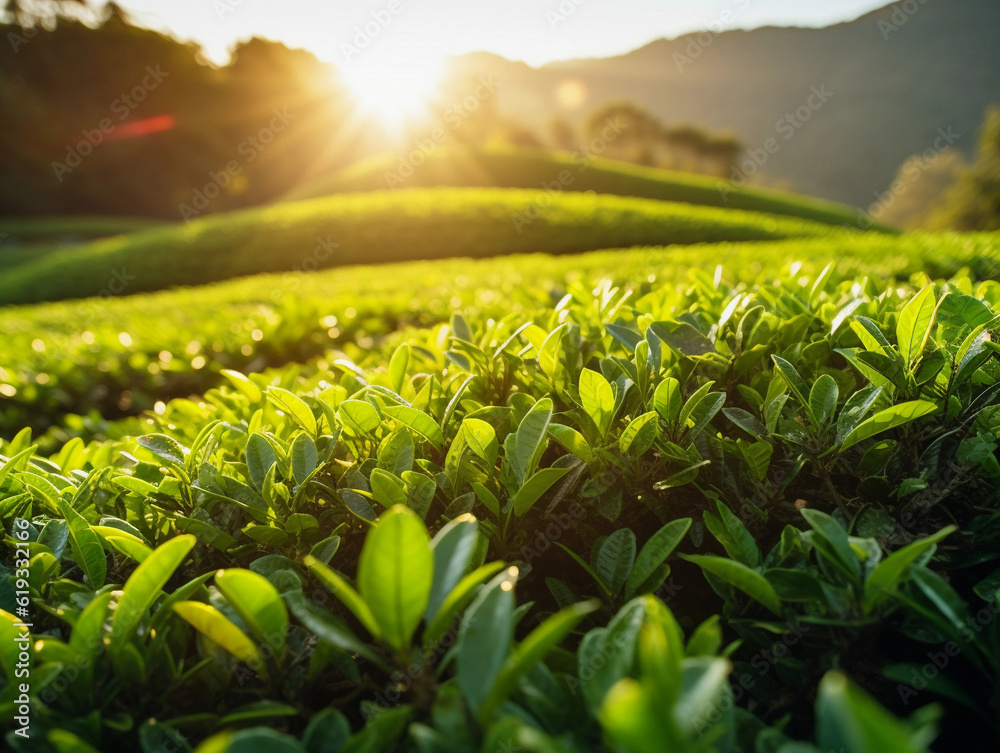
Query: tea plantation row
[[116, 356], [624, 510]]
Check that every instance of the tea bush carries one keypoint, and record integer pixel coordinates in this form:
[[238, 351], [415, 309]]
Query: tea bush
[[114, 356], [495, 532]]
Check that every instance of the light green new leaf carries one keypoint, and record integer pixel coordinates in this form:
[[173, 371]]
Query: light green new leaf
[[572, 440], [640, 434], [739, 576], [395, 574], [294, 406], [667, 400], [258, 604], [482, 440], [211, 623], [914, 325], [144, 586], [890, 418], [360, 416], [418, 421], [241, 382], [397, 367], [597, 399], [387, 488]]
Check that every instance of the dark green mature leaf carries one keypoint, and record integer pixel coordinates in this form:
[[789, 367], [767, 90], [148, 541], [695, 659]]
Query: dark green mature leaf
[[655, 552], [163, 447], [87, 549], [535, 487], [683, 338], [453, 547], [615, 559], [260, 458], [486, 637], [304, 458], [530, 440], [740, 576], [793, 379]]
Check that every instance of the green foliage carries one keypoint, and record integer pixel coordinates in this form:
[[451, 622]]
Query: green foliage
[[393, 551]]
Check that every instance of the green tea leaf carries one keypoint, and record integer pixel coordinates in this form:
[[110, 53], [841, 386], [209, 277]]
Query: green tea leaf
[[395, 574]]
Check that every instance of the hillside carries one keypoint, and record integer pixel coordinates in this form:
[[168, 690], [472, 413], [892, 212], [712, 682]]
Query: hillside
[[525, 168], [890, 86], [378, 227]]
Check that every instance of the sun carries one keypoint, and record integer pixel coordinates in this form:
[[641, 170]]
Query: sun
[[392, 86]]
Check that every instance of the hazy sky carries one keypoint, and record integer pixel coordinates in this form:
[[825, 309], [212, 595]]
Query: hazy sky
[[536, 31]]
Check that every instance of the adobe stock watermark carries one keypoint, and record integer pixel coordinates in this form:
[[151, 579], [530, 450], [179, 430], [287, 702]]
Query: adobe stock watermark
[[368, 32], [249, 149], [910, 174], [453, 117], [786, 127], [938, 661], [698, 43], [22, 640], [123, 106], [901, 13], [562, 13], [613, 128], [223, 8], [322, 252], [762, 661]]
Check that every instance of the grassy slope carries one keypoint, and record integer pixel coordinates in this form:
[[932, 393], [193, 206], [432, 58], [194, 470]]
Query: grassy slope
[[381, 227], [27, 239], [524, 168]]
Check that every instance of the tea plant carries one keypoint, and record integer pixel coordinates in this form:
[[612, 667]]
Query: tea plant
[[465, 536]]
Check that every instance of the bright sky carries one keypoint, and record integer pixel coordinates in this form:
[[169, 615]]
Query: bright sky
[[535, 31]]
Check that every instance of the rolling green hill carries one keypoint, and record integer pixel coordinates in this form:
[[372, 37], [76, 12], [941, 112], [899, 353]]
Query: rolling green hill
[[526, 168], [379, 227]]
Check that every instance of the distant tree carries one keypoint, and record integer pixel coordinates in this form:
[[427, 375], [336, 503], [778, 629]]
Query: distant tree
[[45, 12], [515, 134], [918, 190], [973, 202], [625, 131], [562, 135]]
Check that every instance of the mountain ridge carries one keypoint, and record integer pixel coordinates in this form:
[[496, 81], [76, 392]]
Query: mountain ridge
[[945, 56]]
